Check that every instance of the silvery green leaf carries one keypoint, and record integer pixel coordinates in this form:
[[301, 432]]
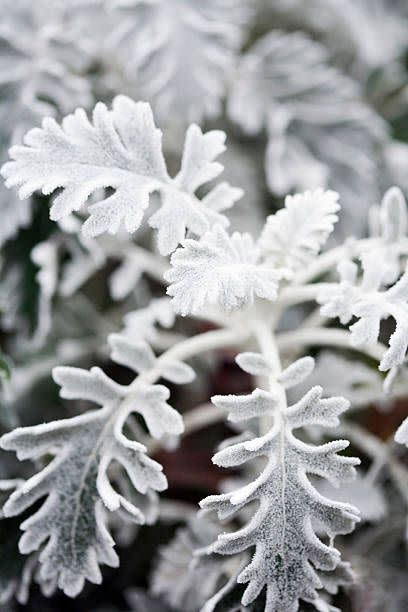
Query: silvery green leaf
[[70, 525], [294, 235], [393, 215], [219, 270], [40, 74], [42, 58]]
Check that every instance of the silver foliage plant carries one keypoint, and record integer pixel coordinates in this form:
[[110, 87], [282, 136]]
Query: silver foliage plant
[[244, 282], [295, 289]]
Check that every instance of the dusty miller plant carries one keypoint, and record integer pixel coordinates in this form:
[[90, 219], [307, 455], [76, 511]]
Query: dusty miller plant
[[317, 319]]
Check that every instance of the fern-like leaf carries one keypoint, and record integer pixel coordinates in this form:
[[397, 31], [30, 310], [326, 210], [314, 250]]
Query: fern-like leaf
[[219, 270], [70, 527], [370, 303], [289, 557], [294, 235]]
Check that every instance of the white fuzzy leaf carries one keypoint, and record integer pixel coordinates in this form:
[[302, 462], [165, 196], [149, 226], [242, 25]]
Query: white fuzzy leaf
[[243, 407], [138, 356], [297, 372], [160, 417], [219, 270], [15, 214], [289, 560], [370, 302], [91, 385], [120, 149], [295, 234]]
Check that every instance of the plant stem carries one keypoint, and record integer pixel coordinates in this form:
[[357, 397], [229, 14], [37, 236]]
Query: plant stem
[[186, 349], [321, 336]]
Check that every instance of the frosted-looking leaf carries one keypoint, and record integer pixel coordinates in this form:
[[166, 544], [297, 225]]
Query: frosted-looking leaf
[[71, 520], [289, 560], [297, 372], [147, 400], [15, 570], [320, 132], [69, 528], [94, 385], [120, 149], [219, 270], [152, 38], [139, 357], [294, 235], [370, 302]]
